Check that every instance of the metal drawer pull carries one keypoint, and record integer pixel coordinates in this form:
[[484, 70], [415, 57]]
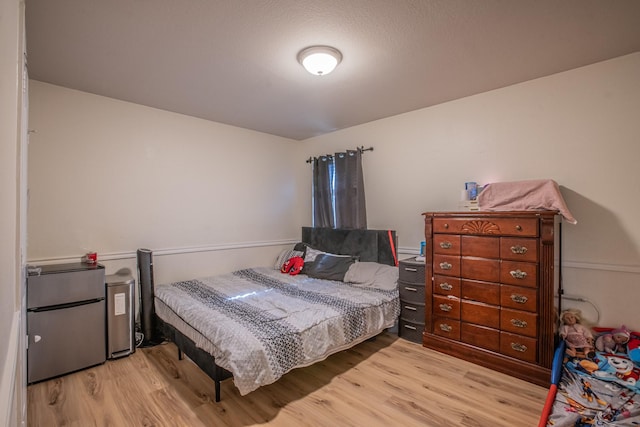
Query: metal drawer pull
[[519, 323], [445, 266], [445, 245], [446, 226], [518, 347], [446, 307], [518, 274], [408, 307], [520, 250], [410, 289], [413, 328], [520, 299], [445, 286], [444, 327], [519, 227], [413, 270]]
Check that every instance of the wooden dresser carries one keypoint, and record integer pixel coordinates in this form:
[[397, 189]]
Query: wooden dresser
[[490, 287]]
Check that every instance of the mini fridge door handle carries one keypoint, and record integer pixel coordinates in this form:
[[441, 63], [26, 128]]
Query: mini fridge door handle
[[68, 305]]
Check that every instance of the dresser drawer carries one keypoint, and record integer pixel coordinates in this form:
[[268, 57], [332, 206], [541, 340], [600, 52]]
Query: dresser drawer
[[448, 328], [518, 346], [480, 336], [446, 264], [446, 306], [410, 331], [485, 292], [519, 298], [525, 227], [480, 269], [519, 273], [513, 248], [519, 322], [446, 285], [412, 312], [480, 314], [411, 272], [446, 244], [480, 246], [411, 292]]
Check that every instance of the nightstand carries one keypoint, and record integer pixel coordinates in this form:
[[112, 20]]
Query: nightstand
[[411, 282]]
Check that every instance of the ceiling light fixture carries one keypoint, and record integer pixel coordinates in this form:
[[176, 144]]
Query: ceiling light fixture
[[319, 60]]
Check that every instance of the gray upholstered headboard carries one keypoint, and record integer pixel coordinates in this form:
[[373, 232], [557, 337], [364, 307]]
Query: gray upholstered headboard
[[368, 245]]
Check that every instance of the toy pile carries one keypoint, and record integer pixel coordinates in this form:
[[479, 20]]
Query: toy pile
[[599, 378]]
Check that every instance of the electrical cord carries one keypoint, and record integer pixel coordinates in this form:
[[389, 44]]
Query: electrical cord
[[585, 300], [139, 338]]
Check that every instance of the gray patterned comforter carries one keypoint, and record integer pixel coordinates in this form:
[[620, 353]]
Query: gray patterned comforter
[[259, 323]]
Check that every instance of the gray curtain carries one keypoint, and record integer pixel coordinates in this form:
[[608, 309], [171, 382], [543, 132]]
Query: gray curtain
[[338, 191], [322, 192]]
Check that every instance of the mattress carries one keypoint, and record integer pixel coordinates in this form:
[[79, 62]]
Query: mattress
[[259, 323]]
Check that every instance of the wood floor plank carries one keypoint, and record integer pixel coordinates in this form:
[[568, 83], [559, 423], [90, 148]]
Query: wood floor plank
[[388, 381]]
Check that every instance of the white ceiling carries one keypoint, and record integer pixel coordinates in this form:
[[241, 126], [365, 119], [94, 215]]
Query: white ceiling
[[234, 61]]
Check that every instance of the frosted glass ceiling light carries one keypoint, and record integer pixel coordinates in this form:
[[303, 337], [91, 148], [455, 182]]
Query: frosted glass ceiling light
[[319, 60]]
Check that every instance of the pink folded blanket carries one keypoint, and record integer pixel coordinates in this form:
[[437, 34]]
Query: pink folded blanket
[[524, 196]]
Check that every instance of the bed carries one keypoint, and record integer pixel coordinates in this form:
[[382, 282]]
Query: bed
[[597, 389], [256, 324]]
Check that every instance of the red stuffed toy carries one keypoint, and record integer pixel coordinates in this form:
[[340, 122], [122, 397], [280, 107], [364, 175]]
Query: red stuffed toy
[[293, 265]]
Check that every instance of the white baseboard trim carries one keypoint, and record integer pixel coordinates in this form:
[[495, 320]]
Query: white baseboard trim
[[8, 381], [635, 269], [113, 256]]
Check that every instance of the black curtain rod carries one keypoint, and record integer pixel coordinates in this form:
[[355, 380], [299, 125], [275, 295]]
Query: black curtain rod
[[360, 149]]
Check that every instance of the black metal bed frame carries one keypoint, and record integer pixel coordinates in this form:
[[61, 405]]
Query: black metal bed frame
[[204, 360]]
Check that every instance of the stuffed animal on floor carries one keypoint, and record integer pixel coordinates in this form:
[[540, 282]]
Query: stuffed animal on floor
[[577, 336], [615, 341], [293, 265]]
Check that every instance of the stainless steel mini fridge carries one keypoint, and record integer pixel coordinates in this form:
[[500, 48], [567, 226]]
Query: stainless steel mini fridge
[[66, 324], [120, 315]]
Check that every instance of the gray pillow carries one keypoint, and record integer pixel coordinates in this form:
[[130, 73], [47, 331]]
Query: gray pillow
[[328, 266], [373, 275], [284, 256]]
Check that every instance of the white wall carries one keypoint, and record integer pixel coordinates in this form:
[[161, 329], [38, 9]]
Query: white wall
[[111, 176], [9, 109], [580, 128], [11, 362]]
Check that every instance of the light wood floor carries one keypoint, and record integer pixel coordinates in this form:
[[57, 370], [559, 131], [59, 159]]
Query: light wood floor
[[386, 382]]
